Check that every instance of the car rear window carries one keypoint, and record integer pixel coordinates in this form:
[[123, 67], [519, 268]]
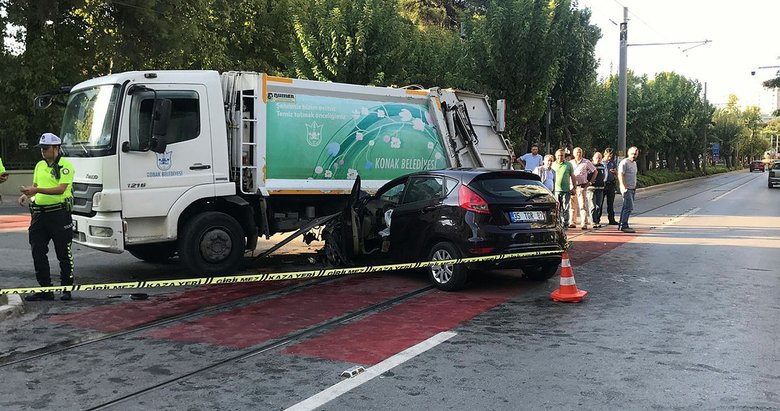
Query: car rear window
[[514, 188], [776, 166]]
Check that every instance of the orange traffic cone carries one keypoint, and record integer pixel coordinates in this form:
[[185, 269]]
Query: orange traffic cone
[[568, 292]]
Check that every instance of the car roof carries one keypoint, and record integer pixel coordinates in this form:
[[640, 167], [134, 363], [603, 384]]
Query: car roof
[[466, 174]]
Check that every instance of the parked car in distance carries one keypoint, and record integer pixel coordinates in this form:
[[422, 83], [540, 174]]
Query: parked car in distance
[[450, 214], [757, 165], [774, 174]]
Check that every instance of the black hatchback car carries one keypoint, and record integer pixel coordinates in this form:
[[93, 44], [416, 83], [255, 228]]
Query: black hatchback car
[[449, 214]]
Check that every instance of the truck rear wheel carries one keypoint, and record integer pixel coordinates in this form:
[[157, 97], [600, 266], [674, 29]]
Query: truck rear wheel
[[211, 243], [153, 253]]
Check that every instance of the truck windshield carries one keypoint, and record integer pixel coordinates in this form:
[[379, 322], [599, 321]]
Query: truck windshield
[[89, 121]]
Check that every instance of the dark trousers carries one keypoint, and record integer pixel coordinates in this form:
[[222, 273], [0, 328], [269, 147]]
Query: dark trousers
[[609, 194], [595, 206], [56, 226]]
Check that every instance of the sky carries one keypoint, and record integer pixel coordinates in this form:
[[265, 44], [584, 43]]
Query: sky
[[744, 34]]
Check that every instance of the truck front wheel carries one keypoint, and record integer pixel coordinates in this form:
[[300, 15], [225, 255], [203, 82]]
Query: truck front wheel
[[211, 243]]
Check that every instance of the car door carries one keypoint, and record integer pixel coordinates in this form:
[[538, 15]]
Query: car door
[[413, 219], [373, 227]]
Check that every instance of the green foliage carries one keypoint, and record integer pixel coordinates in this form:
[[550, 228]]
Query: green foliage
[[348, 41], [662, 176], [773, 83], [520, 50]]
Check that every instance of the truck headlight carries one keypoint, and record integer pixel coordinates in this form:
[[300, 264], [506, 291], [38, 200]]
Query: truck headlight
[[96, 198], [96, 231]]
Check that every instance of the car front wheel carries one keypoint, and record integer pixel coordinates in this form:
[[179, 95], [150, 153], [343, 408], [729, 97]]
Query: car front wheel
[[447, 277]]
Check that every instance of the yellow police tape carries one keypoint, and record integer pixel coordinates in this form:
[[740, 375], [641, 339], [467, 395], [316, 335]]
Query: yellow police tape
[[294, 275]]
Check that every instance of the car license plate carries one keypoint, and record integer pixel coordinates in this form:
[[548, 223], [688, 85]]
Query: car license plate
[[527, 216]]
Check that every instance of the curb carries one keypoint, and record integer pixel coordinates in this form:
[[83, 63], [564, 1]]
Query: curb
[[10, 306]]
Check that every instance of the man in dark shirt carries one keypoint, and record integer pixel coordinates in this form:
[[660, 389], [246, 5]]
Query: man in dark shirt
[[595, 192], [610, 184]]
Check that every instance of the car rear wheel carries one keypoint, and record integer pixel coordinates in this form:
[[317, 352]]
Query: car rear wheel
[[540, 272], [447, 277]]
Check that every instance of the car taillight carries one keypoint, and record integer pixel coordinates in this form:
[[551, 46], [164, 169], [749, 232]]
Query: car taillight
[[472, 201]]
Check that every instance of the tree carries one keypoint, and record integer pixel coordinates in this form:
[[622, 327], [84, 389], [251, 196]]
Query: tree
[[728, 128], [515, 51], [348, 41], [577, 75]]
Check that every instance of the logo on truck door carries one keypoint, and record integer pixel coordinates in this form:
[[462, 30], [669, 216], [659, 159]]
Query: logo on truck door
[[164, 163], [164, 160]]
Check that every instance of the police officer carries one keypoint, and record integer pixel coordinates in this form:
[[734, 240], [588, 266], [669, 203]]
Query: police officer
[[50, 199], [3, 173]]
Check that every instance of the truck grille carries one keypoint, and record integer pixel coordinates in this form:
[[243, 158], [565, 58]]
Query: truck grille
[[82, 198]]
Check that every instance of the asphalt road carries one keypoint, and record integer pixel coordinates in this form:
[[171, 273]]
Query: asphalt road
[[684, 314]]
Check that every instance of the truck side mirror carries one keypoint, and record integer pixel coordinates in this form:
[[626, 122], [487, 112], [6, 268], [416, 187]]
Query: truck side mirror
[[161, 117]]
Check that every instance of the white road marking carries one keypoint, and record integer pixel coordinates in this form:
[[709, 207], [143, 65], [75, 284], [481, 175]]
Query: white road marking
[[727, 193], [680, 217], [345, 386]]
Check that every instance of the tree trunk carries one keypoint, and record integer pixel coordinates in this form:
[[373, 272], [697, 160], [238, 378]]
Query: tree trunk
[[670, 161], [641, 162]]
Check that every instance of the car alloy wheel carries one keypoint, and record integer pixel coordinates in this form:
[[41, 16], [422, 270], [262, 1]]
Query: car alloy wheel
[[447, 277], [442, 273]]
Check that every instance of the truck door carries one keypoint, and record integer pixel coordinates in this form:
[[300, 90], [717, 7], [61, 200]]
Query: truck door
[[152, 182]]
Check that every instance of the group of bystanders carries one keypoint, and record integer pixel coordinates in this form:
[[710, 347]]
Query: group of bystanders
[[581, 185]]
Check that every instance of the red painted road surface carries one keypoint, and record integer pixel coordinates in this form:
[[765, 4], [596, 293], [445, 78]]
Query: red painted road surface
[[257, 323], [9, 223], [366, 341], [382, 335], [118, 317]]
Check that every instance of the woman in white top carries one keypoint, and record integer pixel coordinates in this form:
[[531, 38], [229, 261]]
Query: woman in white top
[[546, 172]]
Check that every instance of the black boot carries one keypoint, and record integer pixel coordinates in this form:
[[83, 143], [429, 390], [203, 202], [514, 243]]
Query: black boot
[[47, 296], [66, 296]]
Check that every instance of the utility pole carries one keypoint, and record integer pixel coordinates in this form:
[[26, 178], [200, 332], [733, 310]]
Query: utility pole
[[623, 81], [548, 120], [706, 126], [623, 85]]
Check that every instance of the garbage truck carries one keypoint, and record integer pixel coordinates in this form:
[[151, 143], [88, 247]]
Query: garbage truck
[[199, 164]]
